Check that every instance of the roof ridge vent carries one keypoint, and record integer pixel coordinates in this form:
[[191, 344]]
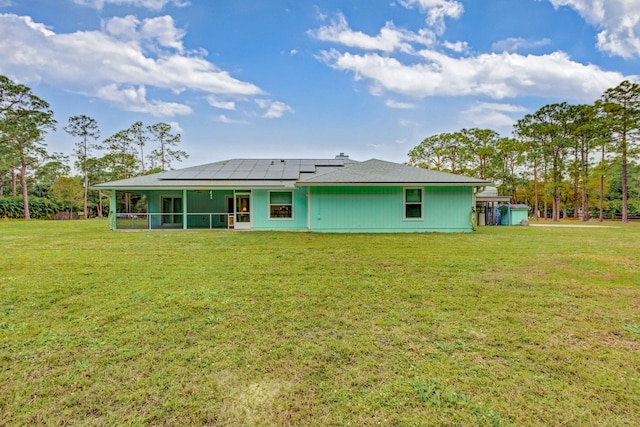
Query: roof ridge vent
[[342, 156]]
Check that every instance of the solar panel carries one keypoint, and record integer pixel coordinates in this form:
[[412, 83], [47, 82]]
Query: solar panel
[[257, 174], [247, 165], [240, 174], [274, 174], [256, 169], [291, 174]]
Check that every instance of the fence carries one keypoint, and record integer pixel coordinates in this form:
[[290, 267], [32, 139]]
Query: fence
[[151, 221], [618, 217]]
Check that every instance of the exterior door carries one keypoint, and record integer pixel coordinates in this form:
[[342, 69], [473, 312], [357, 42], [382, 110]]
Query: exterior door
[[172, 211], [243, 211]]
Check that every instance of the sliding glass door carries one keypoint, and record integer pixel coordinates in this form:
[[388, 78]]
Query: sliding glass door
[[172, 211]]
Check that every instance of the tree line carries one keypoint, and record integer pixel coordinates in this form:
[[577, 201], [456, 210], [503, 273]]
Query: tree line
[[580, 160], [26, 165]]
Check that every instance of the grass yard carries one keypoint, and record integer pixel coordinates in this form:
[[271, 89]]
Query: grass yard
[[508, 326]]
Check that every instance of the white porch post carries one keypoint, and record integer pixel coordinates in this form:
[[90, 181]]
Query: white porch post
[[184, 209], [112, 210], [308, 208]]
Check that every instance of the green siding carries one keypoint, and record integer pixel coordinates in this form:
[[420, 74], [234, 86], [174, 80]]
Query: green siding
[[448, 208], [261, 220], [333, 209], [381, 209], [519, 215]]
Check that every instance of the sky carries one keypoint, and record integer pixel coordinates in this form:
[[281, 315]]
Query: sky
[[311, 79]]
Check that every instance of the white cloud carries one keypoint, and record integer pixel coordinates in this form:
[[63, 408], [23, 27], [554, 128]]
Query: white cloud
[[513, 44], [160, 30], [436, 11], [408, 123], [618, 20], [389, 39], [399, 105], [222, 118], [442, 68], [321, 16], [124, 28], [485, 114], [134, 99], [492, 75], [175, 126], [223, 105], [458, 47], [275, 109], [127, 56], [147, 4], [35, 26], [164, 31]]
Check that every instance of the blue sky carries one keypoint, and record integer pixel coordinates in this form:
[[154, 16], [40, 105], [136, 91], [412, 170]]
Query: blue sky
[[304, 79]]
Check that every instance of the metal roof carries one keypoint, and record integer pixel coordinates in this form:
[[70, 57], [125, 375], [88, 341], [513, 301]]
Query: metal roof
[[234, 173], [380, 172], [490, 194], [274, 173]]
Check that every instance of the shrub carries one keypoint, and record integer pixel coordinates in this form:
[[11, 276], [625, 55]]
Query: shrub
[[39, 207]]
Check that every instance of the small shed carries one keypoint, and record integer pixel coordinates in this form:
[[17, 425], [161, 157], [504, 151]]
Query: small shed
[[514, 214]]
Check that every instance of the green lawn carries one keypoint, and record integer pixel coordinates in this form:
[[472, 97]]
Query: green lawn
[[507, 326]]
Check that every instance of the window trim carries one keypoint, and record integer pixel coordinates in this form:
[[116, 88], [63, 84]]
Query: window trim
[[405, 203], [269, 204]]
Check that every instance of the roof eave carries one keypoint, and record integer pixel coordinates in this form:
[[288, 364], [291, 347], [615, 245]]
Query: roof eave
[[390, 184], [493, 199], [156, 187]]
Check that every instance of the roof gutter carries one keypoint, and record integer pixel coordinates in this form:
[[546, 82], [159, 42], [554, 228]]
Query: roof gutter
[[187, 187]]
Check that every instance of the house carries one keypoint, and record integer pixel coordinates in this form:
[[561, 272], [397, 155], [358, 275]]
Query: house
[[319, 195]]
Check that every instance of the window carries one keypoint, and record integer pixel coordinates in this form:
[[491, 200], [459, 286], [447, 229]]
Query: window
[[413, 203], [280, 205]]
